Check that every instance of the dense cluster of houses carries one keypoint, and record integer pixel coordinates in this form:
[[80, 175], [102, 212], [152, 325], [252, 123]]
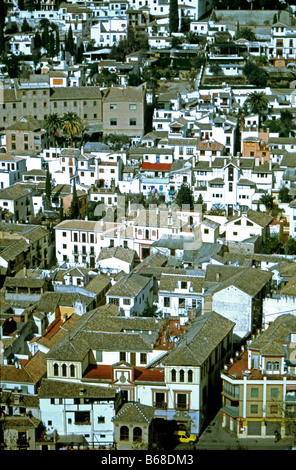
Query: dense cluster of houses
[[141, 310]]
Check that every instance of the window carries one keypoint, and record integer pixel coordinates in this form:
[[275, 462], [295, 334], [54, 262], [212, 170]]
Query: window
[[181, 303], [122, 356], [137, 434], [254, 392], [64, 370], [113, 122], [173, 375], [274, 392], [55, 370], [82, 417], [160, 400], [124, 433], [190, 376], [143, 358], [99, 356], [101, 419], [113, 106], [181, 375], [254, 408], [181, 402], [132, 106], [126, 301], [133, 122], [72, 370], [167, 302]]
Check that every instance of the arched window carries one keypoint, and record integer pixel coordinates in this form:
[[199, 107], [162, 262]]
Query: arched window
[[137, 437], [72, 370], [56, 370], [181, 375], [269, 365], [173, 375], [190, 376], [124, 433], [64, 370], [276, 366]]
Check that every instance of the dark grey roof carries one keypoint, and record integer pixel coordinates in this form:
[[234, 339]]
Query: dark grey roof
[[198, 341], [50, 388]]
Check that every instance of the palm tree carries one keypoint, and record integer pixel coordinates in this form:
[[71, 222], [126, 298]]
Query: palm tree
[[257, 103], [53, 124], [245, 33], [72, 125], [268, 201]]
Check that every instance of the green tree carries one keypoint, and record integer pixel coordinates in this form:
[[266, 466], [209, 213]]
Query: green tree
[[215, 68], [268, 201], [104, 78], [116, 141], [48, 189], [173, 16], [255, 74], [134, 79], [31, 5], [290, 246], [72, 125], [149, 310], [61, 210], [74, 206], [284, 195], [272, 245], [185, 197], [53, 124], [287, 121], [69, 42], [245, 33], [26, 28], [12, 64], [257, 103], [37, 41], [57, 43]]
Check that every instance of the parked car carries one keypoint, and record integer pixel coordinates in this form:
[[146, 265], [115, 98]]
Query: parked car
[[185, 436]]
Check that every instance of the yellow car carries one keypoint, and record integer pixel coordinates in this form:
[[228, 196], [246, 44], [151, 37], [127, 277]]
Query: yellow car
[[185, 436]]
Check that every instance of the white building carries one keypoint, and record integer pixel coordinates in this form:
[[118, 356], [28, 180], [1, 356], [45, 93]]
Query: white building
[[131, 294], [11, 169]]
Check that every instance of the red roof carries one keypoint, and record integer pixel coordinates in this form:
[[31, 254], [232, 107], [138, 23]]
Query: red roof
[[156, 166], [140, 373]]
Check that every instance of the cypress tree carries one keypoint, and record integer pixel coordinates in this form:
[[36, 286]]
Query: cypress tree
[[69, 43], [57, 43], [48, 188], [174, 16], [74, 208]]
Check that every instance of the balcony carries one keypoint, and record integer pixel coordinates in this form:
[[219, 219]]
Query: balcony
[[161, 405]]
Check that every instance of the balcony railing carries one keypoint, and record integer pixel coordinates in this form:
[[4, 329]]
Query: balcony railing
[[161, 405]]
